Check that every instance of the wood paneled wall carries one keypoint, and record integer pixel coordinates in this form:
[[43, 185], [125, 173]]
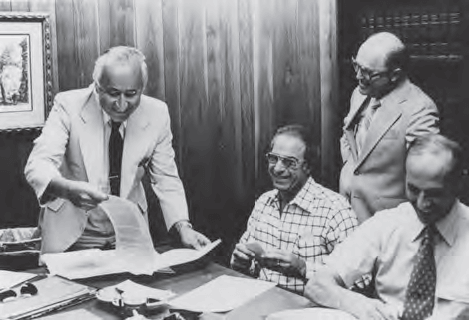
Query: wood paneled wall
[[231, 71]]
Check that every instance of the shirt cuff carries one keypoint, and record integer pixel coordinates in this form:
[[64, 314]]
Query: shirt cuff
[[181, 224]]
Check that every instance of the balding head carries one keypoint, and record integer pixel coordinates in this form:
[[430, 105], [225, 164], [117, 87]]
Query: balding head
[[380, 63], [387, 49]]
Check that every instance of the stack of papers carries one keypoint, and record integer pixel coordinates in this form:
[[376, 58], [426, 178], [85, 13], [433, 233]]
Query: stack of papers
[[134, 251], [95, 262]]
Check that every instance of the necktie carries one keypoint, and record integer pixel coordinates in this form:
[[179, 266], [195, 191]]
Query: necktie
[[420, 294], [116, 144], [365, 122]]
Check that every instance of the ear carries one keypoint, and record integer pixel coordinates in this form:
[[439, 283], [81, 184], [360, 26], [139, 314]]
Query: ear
[[306, 168], [396, 75]]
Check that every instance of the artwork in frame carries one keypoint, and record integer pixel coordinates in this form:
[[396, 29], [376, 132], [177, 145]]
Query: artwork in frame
[[25, 70]]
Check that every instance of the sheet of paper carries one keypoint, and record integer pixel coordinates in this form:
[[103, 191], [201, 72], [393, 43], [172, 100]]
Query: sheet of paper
[[134, 251], [9, 278], [179, 256], [222, 294], [311, 313], [72, 314]]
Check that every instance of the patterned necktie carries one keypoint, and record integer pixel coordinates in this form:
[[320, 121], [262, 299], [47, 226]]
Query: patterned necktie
[[116, 144], [365, 122], [420, 294]]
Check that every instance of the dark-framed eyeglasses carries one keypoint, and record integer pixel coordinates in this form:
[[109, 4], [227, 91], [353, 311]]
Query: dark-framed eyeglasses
[[366, 73], [114, 93], [25, 290], [288, 162]]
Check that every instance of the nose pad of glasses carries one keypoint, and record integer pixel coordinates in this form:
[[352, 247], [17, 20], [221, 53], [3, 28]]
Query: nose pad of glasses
[[28, 289], [7, 295]]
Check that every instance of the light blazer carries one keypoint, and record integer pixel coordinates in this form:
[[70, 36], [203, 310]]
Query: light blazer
[[375, 180], [72, 145]]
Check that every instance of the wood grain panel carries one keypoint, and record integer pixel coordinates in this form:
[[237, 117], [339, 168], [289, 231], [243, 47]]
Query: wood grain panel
[[197, 121], [122, 23], [263, 87], [149, 39], [5, 5], [104, 25], [172, 72], [67, 53], [246, 67], [330, 122], [310, 81], [20, 5]]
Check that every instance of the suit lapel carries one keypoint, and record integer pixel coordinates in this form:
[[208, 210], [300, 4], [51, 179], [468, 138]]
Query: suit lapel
[[389, 112], [382, 121], [135, 145], [91, 140], [357, 104]]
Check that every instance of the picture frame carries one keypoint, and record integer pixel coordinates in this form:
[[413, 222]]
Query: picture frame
[[25, 70]]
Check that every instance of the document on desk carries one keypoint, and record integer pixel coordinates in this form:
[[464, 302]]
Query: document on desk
[[183, 255], [223, 294], [52, 293], [311, 313], [10, 278], [134, 251]]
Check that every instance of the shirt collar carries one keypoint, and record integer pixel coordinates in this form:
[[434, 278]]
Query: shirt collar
[[106, 117], [446, 227], [302, 199]]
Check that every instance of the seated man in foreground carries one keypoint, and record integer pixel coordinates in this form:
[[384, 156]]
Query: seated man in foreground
[[295, 225], [417, 251]]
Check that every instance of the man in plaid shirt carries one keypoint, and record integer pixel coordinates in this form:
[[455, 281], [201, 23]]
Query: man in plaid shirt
[[293, 227]]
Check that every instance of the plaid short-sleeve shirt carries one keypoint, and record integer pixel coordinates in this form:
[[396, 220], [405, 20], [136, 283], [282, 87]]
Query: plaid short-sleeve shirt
[[310, 226]]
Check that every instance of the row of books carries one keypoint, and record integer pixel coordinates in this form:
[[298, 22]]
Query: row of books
[[438, 34]]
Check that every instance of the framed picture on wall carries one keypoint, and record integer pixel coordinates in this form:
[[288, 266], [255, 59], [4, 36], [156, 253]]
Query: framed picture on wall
[[25, 70]]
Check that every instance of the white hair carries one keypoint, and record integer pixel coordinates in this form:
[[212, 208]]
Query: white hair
[[120, 54]]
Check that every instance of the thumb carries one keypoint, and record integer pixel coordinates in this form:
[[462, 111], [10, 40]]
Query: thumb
[[97, 195]]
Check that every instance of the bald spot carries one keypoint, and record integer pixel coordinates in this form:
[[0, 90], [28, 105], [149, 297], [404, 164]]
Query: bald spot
[[378, 47]]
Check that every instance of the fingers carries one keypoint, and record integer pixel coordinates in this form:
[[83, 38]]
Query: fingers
[[241, 258], [200, 240]]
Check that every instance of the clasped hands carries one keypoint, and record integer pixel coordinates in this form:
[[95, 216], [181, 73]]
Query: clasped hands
[[282, 261]]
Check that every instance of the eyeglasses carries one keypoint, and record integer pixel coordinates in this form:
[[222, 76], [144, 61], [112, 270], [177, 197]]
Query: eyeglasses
[[116, 93], [288, 162], [26, 290], [367, 74]]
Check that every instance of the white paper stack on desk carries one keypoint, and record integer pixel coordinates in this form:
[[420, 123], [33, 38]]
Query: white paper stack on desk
[[134, 251]]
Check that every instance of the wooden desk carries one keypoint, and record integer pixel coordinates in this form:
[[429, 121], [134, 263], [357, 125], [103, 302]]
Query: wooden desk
[[273, 300]]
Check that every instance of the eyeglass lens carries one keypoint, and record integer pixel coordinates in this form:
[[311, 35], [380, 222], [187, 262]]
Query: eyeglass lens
[[287, 162]]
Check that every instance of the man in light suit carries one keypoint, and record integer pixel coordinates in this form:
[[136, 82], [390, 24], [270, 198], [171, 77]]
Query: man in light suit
[[70, 164], [387, 112]]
